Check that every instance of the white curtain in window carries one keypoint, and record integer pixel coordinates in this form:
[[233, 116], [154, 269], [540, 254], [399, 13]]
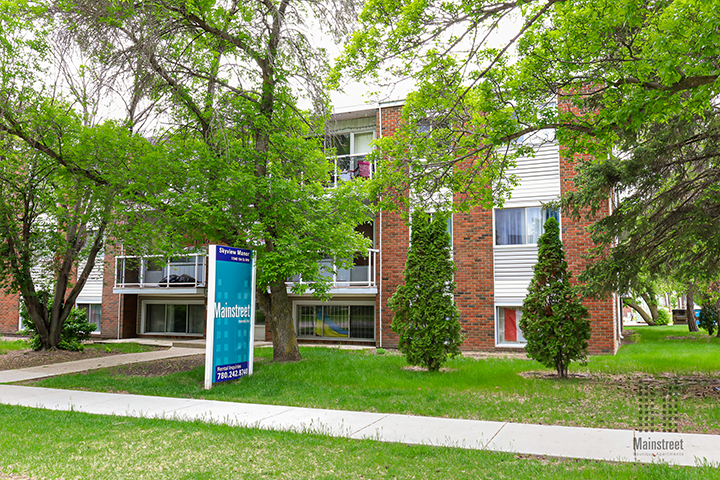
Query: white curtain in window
[[510, 226], [361, 143]]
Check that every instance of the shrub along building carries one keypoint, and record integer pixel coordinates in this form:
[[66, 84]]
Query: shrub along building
[[494, 251]]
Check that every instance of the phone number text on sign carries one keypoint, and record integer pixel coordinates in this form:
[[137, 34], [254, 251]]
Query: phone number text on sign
[[231, 372]]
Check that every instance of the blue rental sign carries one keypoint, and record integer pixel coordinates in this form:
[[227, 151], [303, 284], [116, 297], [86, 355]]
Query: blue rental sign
[[230, 314]]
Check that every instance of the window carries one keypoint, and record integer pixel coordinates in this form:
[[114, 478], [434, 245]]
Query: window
[[93, 313], [521, 226], [336, 321], [350, 150], [508, 326], [173, 318]]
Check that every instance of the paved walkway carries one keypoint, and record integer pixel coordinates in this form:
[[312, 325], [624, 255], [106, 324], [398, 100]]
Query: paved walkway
[[32, 373], [572, 442]]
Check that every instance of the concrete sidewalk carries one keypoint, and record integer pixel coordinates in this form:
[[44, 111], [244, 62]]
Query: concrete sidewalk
[[556, 441], [33, 373]]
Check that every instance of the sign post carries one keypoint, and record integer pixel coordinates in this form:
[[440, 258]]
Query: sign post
[[230, 314]]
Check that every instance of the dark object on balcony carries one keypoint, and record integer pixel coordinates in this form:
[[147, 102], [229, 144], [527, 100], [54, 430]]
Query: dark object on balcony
[[176, 280]]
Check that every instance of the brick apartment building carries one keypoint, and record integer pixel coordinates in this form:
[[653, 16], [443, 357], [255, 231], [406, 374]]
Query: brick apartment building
[[494, 251]]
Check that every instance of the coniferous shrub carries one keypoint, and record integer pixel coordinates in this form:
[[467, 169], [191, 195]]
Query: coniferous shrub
[[554, 320], [426, 317]]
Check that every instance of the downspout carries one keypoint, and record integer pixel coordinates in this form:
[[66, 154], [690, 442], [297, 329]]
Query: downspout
[[119, 310], [120, 295], [618, 310], [380, 250]]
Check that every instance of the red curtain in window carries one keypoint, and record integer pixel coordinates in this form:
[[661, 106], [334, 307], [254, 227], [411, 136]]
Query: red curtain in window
[[510, 325]]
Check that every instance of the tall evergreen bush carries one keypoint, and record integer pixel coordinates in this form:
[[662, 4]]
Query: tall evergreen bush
[[554, 320], [426, 317]]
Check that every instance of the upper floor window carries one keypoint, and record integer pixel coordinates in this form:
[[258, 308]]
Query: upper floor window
[[351, 143], [521, 226], [349, 151]]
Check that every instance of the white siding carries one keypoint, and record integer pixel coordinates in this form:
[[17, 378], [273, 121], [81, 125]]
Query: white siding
[[93, 289], [513, 272], [539, 177]]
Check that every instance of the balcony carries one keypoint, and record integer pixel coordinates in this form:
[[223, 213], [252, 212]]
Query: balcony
[[179, 275], [360, 279], [348, 167]]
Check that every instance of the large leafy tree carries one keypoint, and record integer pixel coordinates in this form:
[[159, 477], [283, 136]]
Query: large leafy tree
[[629, 87], [426, 317], [67, 182], [229, 78]]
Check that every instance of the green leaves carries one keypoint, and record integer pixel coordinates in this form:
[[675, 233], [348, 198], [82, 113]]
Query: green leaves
[[554, 321], [426, 317]]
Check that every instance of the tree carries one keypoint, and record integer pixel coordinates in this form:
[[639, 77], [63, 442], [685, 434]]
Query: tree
[[426, 317], [229, 78], [629, 88], [66, 183], [554, 320]]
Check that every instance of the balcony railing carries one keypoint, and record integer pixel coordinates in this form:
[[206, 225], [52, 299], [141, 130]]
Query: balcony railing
[[187, 271], [348, 167], [362, 274]]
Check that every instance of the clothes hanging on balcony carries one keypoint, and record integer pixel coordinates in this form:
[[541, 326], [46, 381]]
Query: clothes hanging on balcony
[[363, 169]]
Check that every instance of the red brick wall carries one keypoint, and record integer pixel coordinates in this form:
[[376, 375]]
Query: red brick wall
[[393, 241], [9, 312], [109, 309], [473, 255], [474, 293], [577, 242]]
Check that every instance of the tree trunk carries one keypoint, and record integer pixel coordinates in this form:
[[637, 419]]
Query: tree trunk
[[651, 302], [690, 310], [648, 319], [282, 326]]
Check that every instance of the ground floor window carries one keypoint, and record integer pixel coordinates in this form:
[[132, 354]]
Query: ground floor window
[[336, 321], [93, 313], [174, 318], [508, 326]]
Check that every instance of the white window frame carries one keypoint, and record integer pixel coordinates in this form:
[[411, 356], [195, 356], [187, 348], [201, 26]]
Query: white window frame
[[501, 342], [87, 310], [143, 314], [524, 208]]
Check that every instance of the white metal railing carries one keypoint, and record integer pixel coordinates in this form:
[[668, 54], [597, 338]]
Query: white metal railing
[[362, 274], [348, 167], [157, 272]]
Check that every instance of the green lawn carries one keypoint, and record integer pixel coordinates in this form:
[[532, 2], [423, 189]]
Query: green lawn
[[490, 389], [132, 347], [7, 345], [122, 347], [72, 445]]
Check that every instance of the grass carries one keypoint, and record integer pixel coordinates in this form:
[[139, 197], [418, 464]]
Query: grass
[[489, 389], [131, 347], [656, 351], [8, 345], [74, 445]]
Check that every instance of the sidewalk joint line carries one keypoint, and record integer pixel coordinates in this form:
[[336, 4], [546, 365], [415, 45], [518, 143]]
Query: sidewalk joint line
[[383, 417], [493, 437]]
